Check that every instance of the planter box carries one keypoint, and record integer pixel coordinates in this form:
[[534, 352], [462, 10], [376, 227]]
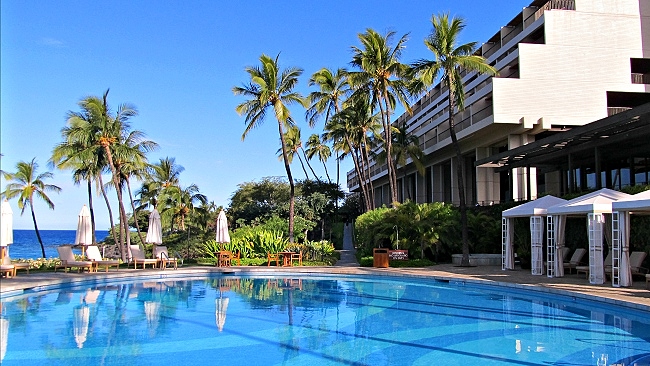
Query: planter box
[[478, 259]]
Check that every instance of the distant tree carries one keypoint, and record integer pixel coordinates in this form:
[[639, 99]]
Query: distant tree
[[24, 184], [255, 201], [316, 147]]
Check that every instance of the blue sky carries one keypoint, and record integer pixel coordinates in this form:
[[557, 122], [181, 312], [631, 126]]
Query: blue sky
[[177, 63]]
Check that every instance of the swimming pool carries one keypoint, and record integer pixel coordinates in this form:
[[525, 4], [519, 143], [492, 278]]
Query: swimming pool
[[325, 320]]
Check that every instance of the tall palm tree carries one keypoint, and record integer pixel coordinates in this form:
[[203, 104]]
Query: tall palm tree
[[449, 60], [385, 80], [24, 184], [317, 147], [333, 89], [183, 202], [271, 89]]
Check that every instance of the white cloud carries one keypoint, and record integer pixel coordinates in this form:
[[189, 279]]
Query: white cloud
[[51, 42]]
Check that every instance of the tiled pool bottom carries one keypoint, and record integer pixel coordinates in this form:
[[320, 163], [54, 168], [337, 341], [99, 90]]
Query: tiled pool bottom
[[335, 320]]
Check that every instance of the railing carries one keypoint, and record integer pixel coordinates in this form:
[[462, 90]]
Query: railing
[[556, 4], [640, 78], [616, 110]]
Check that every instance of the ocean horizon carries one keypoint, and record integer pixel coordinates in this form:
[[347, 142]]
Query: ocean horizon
[[26, 245]]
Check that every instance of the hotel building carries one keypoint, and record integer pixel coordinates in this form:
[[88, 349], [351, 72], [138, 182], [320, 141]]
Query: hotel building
[[561, 64]]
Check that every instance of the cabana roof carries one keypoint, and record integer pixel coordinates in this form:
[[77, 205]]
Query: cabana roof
[[533, 208], [637, 202], [595, 202]]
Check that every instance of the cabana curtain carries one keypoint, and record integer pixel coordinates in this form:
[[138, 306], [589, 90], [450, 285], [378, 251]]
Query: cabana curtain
[[625, 272], [559, 222], [595, 224]]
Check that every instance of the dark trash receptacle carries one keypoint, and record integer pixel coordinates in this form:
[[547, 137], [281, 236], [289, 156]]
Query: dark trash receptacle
[[380, 258]]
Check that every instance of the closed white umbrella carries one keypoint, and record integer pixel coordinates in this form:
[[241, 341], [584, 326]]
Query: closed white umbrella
[[154, 233], [222, 228], [6, 228], [221, 306], [80, 324], [4, 334], [84, 229]]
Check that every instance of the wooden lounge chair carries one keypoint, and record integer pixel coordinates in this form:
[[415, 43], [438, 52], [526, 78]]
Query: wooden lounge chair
[[7, 261], [137, 256], [8, 270], [273, 257], [69, 261], [92, 253], [607, 266], [235, 257], [162, 255], [575, 260]]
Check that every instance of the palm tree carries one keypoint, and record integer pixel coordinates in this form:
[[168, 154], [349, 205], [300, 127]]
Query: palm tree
[[316, 147], [405, 146], [271, 89], [450, 60], [294, 144], [24, 183], [183, 201], [333, 89], [385, 80]]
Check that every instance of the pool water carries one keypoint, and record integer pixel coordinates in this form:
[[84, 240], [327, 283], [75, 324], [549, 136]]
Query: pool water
[[315, 321]]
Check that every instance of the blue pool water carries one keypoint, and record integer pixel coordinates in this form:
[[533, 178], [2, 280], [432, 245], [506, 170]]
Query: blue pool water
[[315, 321]]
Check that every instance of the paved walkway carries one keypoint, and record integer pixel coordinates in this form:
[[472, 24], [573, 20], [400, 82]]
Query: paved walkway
[[348, 257]]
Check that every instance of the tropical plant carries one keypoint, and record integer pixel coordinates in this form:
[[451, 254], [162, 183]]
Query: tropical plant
[[270, 88], [24, 184], [450, 59], [383, 79]]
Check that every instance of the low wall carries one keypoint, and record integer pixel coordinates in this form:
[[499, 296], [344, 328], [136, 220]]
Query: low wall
[[478, 259]]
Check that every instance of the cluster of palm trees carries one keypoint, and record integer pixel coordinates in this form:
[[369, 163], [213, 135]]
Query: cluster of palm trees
[[98, 141], [358, 104]]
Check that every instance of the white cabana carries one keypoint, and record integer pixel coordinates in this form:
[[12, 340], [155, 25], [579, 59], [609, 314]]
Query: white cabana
[[621, 209], [536, 210], [593, 205]]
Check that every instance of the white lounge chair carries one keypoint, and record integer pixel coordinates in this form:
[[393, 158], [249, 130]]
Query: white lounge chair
[[161, 254], [636, 261], [137, 256], [8, 270], [92, 252], [69, 261], [7, 261]]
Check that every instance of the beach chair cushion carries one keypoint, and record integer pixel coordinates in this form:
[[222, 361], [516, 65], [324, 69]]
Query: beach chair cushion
[[138, 257], [92, 253], [162, 255]]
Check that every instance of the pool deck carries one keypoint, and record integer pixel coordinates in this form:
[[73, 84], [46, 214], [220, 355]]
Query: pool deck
[[636, 296]]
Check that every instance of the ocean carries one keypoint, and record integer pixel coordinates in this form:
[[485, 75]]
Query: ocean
[[26, 244]]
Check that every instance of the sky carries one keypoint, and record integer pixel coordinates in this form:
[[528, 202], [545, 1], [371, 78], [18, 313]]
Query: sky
[[177, 62]]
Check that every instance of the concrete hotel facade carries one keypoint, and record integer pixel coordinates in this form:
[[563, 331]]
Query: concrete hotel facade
[[561, 63]]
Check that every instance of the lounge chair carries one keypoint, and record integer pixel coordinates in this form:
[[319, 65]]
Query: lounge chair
[[235, 257], [636, 261], [7, 261], [575, 260], [8, 270], [137, 256], [647, 281], [607, 266], [161, 254], [69, 261], [92, 252]]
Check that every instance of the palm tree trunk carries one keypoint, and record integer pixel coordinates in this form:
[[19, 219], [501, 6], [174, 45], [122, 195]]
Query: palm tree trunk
[[303, 166], [38, 235], [392, 172], [116, 182], [389, 153], [309, 165], [92, 210], [292, 190], [108, 206], [371, 188], [355, 160], [135, 216], [327, 174], [461, 182]]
